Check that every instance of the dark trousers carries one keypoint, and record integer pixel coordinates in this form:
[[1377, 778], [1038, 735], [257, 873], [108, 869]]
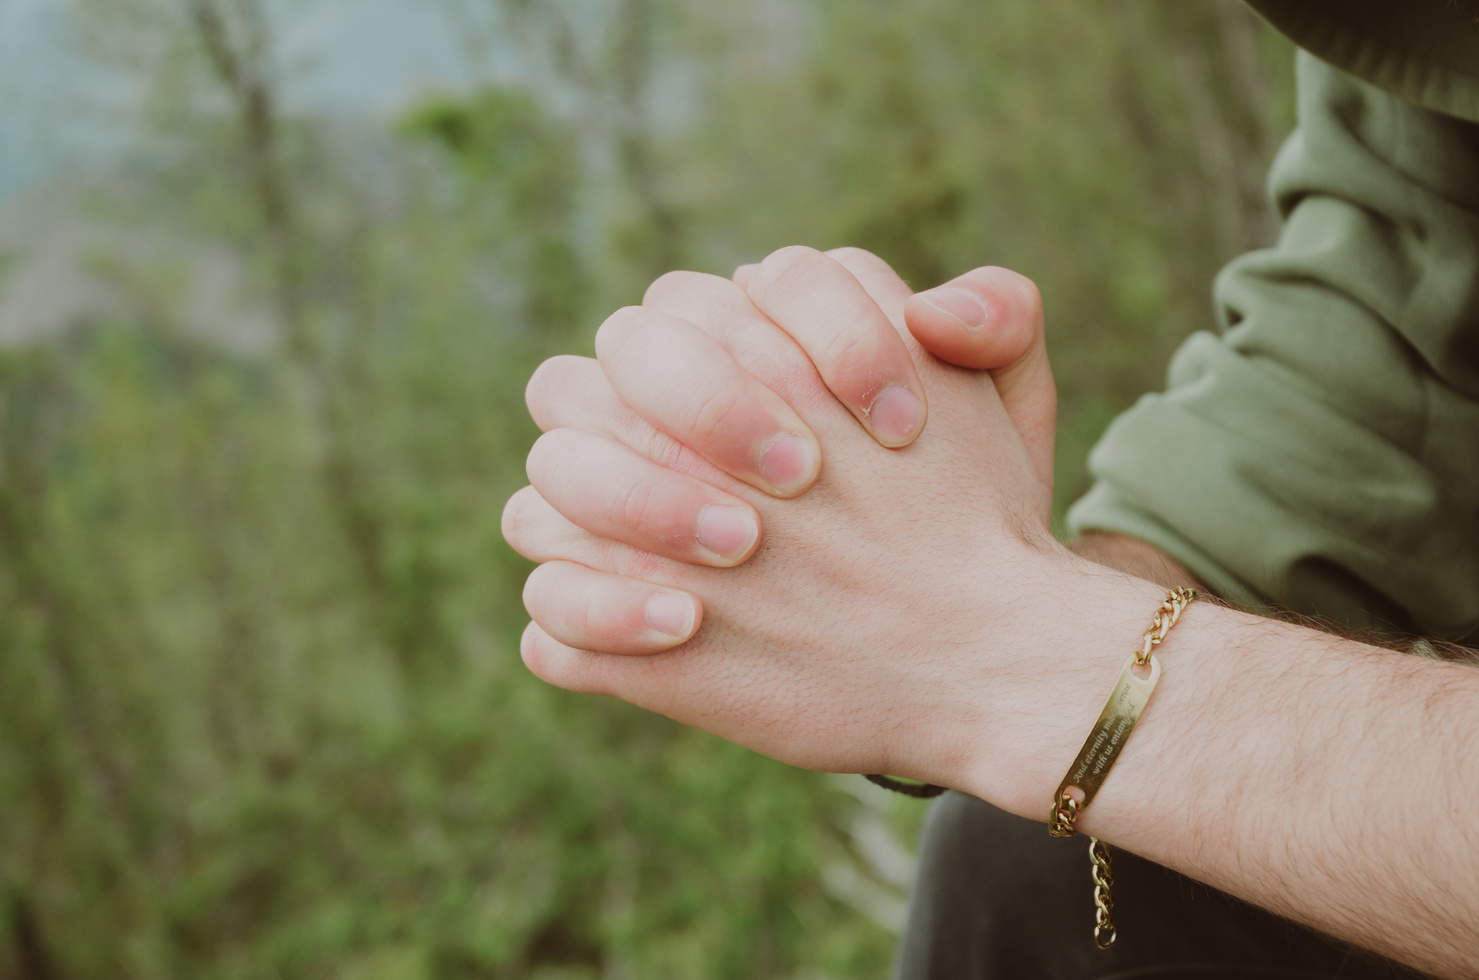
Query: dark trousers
[[997, 897]]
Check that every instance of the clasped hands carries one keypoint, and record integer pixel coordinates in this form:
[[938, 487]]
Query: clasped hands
[[744, 523]]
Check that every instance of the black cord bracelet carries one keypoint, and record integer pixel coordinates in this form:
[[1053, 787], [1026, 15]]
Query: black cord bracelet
[[920, 791]]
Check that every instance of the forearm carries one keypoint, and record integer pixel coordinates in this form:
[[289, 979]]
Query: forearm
[[912, 615], [1318, 777]]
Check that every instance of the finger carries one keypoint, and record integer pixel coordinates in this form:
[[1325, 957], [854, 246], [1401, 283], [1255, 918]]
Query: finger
[[723, 311], [564, 666], [563, 381], [956, 323], [744, 274], [878, 279], [853, 344], [648, 682], [719, 308], [569, 392], [989, 318], [679, 379], [612, 492], [593, 610], [542, 534], [992, 318]]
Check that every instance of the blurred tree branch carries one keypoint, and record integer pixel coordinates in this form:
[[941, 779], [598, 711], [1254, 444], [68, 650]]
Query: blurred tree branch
[[606, 57], [225, 568], [236, 38]]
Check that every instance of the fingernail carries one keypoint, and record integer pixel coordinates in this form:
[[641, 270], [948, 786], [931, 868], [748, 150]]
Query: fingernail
[[670, 613], [897, 415], [963, 306], [789, 463], [728, 532]]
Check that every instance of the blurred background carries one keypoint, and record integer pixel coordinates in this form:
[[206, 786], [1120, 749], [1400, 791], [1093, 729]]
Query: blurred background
[[272, 276]]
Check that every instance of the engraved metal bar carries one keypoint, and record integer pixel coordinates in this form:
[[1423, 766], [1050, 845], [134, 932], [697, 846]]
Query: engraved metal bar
[[1109, 734]]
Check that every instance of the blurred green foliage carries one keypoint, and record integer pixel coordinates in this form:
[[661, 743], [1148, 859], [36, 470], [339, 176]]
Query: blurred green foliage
[[261, 710]]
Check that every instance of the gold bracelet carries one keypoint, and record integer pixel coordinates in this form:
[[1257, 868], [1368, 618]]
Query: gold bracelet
[[1102, 748]]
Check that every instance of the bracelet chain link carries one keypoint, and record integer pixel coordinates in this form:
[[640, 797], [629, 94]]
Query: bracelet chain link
[[1101, 749]]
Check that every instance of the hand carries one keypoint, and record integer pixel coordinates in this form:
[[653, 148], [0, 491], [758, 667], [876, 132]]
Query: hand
[[997, 325], [810, 651], [989, 319], [957, 643]]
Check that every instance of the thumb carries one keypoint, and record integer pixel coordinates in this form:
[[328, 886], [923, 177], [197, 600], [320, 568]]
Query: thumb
[[991, 319]]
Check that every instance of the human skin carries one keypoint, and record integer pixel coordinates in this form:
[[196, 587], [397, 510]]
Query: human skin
[[912, 614], [692, 520]]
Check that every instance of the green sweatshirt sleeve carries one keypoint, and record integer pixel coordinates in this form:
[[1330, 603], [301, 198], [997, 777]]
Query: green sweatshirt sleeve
[[1322, 453]]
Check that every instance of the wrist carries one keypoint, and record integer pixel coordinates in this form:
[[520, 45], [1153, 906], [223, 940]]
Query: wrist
[[1134, 557], [1055, 662]]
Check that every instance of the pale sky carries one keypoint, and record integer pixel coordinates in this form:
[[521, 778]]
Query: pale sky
[[58, 111]]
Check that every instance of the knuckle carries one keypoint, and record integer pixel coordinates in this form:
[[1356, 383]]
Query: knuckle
[[534, 590], [543, 457], [697, 297], [744, 274], [562, 462], [565, 604], [789, 268], [673, 284], [541, 382], [860, 261], [529, 650], [550, 380], [678, 287], [849, 351], [713, 412], [542, 654], [789, 255], [796, 274], [852, 252], [665, 283], [635, 508], [515, 522], [581, 620], [617, 330]]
